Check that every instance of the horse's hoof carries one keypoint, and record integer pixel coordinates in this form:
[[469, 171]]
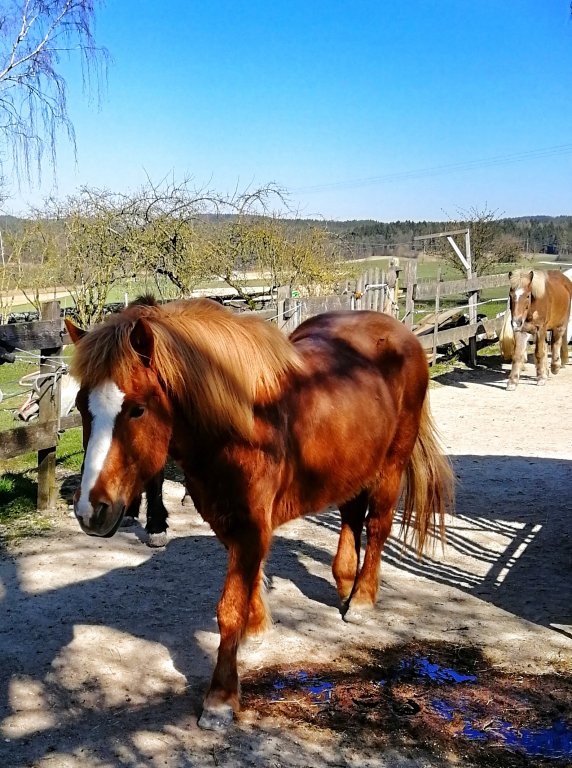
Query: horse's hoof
[[217, 718], [358, 614], [541, 382], [157, 540], [510, 386], [128, 521]]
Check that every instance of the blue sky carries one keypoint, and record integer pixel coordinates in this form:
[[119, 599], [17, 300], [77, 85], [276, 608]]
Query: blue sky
[[361, 109]]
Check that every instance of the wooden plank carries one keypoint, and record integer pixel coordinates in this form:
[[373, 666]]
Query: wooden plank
[[462, 333], [441, 234], [34, 437], [428, 321], [453, 287], [40, 334]]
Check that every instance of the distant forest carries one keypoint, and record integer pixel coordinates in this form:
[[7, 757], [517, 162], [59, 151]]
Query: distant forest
[[363, 238], [535, 234]]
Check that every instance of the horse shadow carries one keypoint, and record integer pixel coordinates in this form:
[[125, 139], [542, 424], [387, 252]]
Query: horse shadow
[[513, 550]]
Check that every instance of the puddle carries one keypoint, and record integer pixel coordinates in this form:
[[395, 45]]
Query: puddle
[[462, 710], [318, 690], [554, 741], [423, 668]]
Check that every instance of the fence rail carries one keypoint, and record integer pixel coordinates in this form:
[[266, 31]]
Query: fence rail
[[375, 290]]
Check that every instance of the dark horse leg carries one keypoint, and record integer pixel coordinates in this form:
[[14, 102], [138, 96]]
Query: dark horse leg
[[357, 588], [518, 359], [156, 526], [382, 503], [346, 562], [246, 552]]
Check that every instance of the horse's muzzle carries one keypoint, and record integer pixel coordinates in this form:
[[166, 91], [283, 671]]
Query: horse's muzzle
[[104, 520]]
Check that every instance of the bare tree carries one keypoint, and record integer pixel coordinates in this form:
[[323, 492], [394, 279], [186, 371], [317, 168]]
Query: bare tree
[[9, 278], [94, 252], [34, 251], [488, 247], [35, 35], [274, 252]]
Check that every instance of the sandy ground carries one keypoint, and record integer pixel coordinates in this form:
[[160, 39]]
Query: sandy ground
[[107, 646]]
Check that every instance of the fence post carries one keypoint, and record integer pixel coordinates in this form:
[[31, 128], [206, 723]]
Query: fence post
[[49, 401], [472, 300], [411, 278], [436, 327]]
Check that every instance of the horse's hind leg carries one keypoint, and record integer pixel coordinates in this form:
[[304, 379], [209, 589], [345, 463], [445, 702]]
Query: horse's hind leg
[[382, 503], [259, 619], [346, 562], [558, 349]]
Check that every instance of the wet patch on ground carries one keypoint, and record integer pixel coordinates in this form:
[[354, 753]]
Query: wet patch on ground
[[446, 699]]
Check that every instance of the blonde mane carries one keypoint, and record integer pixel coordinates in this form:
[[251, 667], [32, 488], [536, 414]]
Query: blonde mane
[[216, 364], [521, 279]]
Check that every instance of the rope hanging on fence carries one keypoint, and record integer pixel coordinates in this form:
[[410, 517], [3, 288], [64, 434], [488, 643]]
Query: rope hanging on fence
[[464, 306]]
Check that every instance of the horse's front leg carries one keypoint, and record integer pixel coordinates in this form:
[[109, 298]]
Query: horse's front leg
[[541, 357], [245, 556], [157, 514], [518, 359]]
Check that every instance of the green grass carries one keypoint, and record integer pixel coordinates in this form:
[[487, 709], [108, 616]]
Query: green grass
[[18, 515], [69, 453]]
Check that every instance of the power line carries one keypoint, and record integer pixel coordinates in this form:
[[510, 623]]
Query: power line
[[439, 170]]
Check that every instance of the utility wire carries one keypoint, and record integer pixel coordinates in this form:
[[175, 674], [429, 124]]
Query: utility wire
[[439, 170]]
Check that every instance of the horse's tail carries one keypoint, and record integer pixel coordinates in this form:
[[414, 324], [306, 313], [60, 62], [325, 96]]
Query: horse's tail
[[429, 485], [506, 337]]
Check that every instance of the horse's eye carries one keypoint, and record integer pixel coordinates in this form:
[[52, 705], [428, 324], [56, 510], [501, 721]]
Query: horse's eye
[[136, 412]]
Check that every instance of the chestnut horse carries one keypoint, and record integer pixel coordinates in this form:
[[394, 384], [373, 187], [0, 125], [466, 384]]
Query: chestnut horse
[[539, 302], [266, 428]]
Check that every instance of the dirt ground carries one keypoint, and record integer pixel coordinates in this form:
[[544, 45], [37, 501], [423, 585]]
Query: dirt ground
[[107, 645]]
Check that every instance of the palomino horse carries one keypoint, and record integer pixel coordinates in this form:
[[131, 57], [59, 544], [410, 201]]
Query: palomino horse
[[539, 302], [266, 428]]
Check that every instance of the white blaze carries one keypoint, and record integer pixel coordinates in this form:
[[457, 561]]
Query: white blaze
[[517, 294], [104, 404]]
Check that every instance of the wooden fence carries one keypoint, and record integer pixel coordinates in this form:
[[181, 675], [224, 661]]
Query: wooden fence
[[48, 336], [375, 290]]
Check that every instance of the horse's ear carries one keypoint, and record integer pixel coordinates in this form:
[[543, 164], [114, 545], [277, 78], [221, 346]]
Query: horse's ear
[[531, 274], [509, 275], [75, 332], [141, 339]]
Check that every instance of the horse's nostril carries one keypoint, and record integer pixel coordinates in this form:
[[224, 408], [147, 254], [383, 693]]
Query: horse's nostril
[[100, 509]]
